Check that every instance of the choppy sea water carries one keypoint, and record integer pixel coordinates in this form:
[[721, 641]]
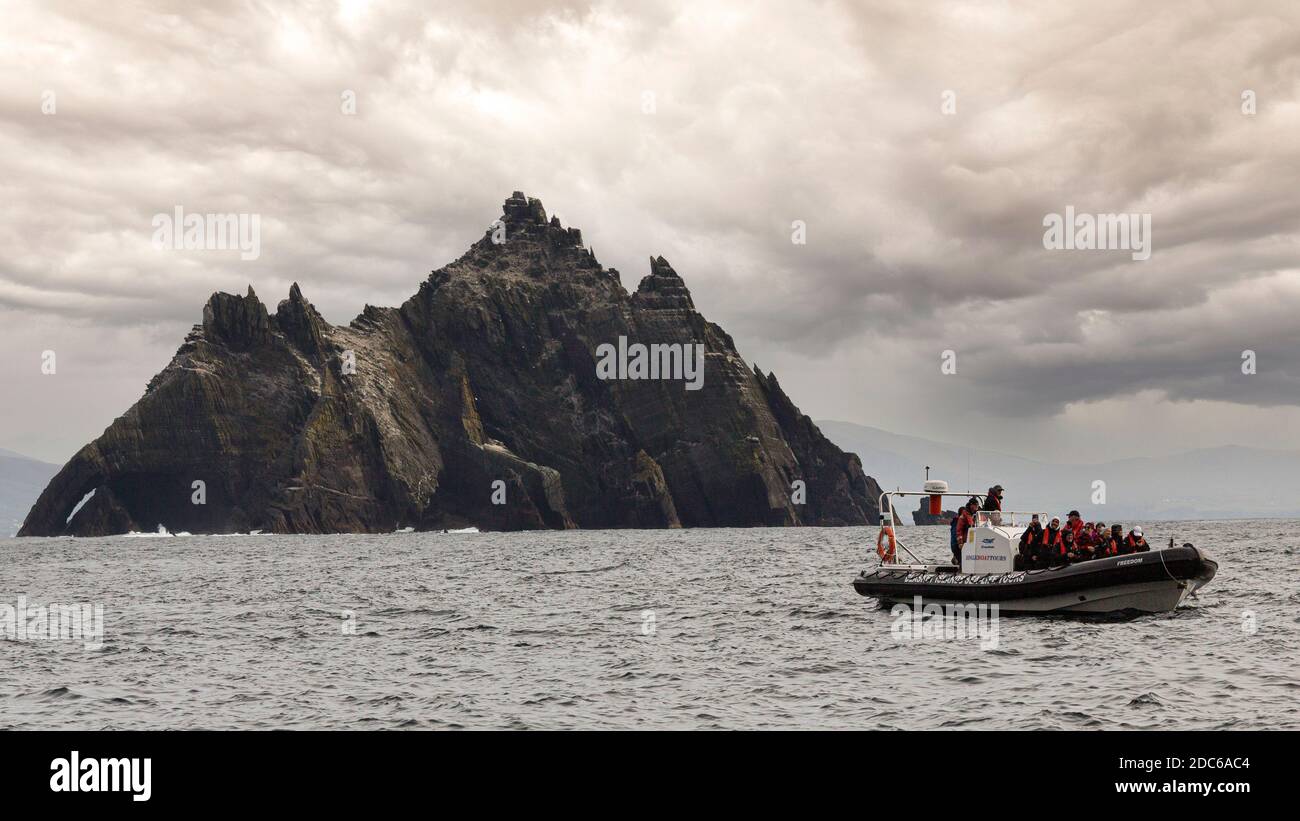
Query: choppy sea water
[[617, 629]]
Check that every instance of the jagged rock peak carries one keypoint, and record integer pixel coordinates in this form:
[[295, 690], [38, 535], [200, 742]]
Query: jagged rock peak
[[239, 321], [521, 209], [525, 217], [662, 288], [297, 299], [298, 319], [659, 267]]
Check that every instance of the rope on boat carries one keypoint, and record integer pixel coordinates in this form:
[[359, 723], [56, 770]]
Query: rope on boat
[[1165, 565]]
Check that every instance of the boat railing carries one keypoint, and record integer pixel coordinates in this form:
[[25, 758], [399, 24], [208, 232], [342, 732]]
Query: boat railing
[[887, 506]]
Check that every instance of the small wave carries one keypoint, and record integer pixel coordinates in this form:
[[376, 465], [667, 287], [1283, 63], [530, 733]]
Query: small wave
[[413, 611], [52, 694], [1144, 699], [821, 614], [582, 570]]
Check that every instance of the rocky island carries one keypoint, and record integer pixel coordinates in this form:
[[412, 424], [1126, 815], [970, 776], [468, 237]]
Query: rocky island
[[923, 516], [477, 402]]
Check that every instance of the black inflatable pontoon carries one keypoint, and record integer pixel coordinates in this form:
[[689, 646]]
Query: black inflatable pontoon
[[1153, 581]]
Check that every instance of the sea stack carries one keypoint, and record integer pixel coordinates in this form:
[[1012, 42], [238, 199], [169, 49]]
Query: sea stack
[[923, 516]]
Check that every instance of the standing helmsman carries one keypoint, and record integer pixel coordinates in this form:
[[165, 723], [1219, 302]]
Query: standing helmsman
[[993, 501]]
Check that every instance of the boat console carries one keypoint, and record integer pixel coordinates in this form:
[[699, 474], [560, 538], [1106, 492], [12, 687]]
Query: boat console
[[990, 549]]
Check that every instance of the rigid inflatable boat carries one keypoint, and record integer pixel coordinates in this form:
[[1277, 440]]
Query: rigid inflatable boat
[[1152, 581]]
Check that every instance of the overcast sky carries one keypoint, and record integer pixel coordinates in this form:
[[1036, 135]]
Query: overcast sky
[[699, 131]]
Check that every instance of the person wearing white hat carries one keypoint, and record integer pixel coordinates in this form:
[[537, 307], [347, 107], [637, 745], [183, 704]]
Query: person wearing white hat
[[1134, 542]]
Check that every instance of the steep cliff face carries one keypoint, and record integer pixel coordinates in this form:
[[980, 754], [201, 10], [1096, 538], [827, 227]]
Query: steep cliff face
[[488, 398]]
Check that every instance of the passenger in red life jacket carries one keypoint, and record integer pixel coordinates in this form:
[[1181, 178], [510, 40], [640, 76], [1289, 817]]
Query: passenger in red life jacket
[[1096, 535], [1049, 551], [1134, 542], [1110, 545], [1087, 536], [966, 520], [1101, 541], [1075, 523], [1028, 539], [1099, 537], [1074, 551], [1068, 545]]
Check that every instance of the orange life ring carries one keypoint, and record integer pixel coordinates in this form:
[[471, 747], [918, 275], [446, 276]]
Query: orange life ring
[[888, 557]]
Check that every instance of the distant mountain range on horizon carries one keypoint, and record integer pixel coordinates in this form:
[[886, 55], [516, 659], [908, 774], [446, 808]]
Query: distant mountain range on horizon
[[21, 480], [1207, 483]]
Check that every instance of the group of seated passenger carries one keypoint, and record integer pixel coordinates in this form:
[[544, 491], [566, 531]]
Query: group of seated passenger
[[1076, 541]]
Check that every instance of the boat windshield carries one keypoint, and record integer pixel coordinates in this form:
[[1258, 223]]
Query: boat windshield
[[1009, 518]]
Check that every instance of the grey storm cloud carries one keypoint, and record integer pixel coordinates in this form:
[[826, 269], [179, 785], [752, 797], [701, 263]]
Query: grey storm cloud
[[700, 131]]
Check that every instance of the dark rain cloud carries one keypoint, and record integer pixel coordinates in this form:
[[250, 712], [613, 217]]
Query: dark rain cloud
[[924, 230]]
